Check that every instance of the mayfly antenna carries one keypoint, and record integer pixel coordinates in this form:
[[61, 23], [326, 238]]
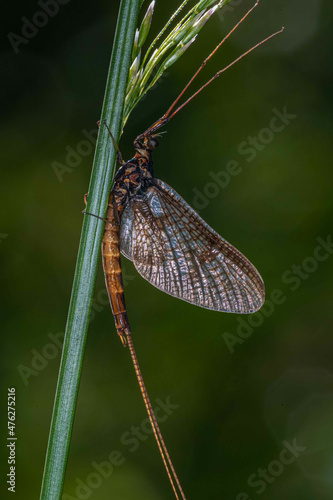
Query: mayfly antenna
[[170, 113], [224, 69]]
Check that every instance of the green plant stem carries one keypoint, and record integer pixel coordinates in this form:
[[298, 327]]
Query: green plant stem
[[89, 255]]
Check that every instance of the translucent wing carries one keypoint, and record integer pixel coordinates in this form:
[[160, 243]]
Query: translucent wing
[[175, 250]]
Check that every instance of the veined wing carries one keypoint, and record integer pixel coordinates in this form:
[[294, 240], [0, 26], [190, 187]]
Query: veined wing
[[174, 249]]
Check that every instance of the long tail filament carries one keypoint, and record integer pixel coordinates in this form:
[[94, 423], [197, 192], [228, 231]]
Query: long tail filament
[[157, 433]]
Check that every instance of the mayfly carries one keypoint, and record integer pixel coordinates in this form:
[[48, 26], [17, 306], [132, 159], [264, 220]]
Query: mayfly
[[171, 246]]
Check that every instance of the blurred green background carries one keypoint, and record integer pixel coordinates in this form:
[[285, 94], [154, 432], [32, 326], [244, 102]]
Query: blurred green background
[[243, 389]]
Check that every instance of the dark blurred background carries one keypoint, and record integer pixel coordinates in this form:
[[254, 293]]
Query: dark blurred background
[[251, 398]]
